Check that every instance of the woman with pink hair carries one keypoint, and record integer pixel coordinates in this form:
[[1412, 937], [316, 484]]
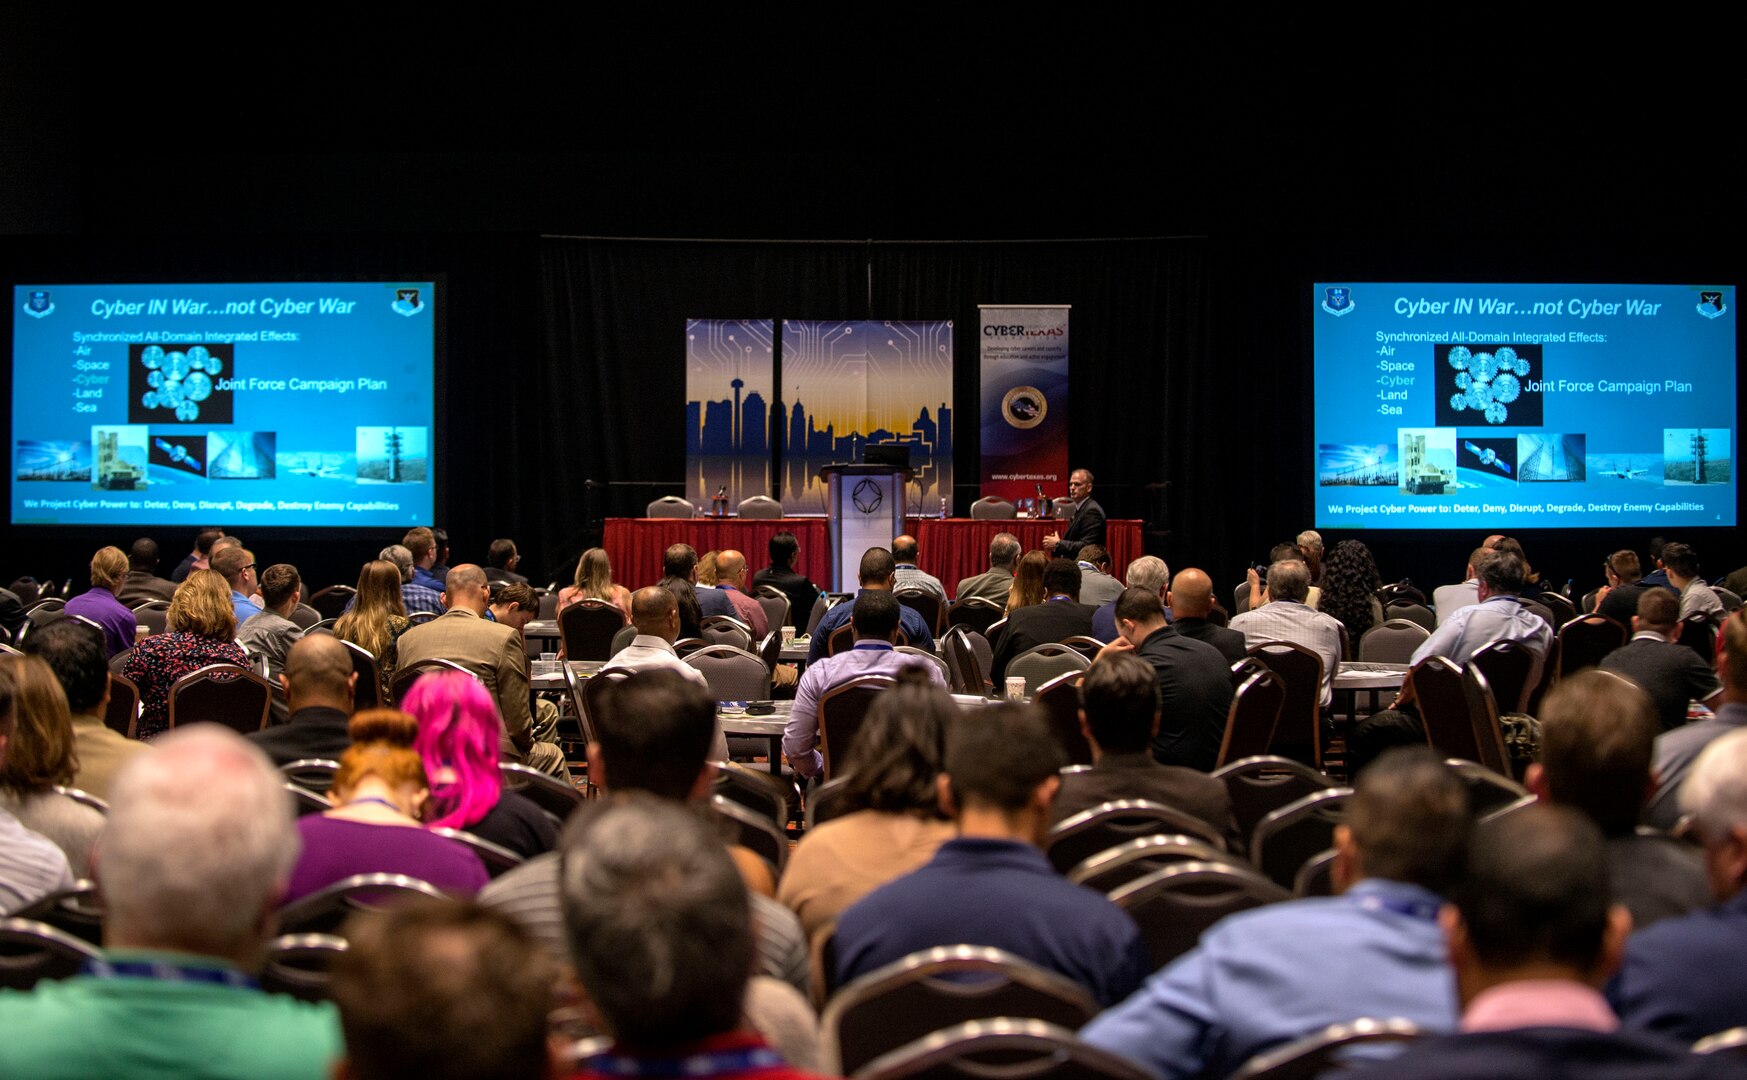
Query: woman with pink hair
[[459, 728]]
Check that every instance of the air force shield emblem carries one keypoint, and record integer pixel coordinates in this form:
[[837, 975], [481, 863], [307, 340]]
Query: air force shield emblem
[[1710, 304], [407, 302], [39, 304], [1337, 300]]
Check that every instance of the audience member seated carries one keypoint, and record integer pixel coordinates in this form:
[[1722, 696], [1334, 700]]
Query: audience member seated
[[1146, 572], [1500, 615], [1686, 977], [896, 823], [1618, 599], [75, 653], [422, 544], [1532, 938], [458, 743], [874, 575], [1097, 586], [271, 633], [495, 654], [1449, 599], [320, 684], [907, 575], [727, 595], [652, 739], [1287, 970], [1349, 590], [1189, 603], [1119, 715], [31, 865], [655, 613], [98, 603], [1596, 740], [197, 558], [1696, 598], [13, 618], [1259, 595], [679, 568], [374, 825], [995, 583], [594, 581], [991, 885], [201, 627], [1027, 581], [197, 853], [1059, 617], [1672, 674], [39, 756], [513, 604], [415, 596], [662, 941], [142, 582], [1192, 681], [236, 565], [501, 560], [1284, 615], [1677, 750], [442, 990], [376, 618], [875, 619], [785, 552]]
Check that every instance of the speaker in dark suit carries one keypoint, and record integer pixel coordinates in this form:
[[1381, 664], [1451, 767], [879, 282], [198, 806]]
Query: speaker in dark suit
[[1087, 524]]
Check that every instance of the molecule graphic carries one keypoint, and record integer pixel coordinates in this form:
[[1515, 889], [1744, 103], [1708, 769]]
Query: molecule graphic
[[1487, 382], [179, 381]]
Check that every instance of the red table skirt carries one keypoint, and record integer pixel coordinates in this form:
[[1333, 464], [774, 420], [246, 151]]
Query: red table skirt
[[635, 544], [957, 548], [952, 549]]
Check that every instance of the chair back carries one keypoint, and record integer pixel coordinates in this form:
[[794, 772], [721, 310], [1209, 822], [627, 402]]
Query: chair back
[[933, 658], [1258, 786], [993, 508], [153, 615], [299, 965], [733, 673], [925, 604], [1294, 834], [685, 646], [1175, 905], [1508, 666], [420, 618], [974, 613], [1400, 592], [1319, 1054], [556, 797], [622, 639], [760, 508], [926, 991], [118, 662], [1583, 641], [1075, 839], [1115, 867], [1253, 717], [1488, 789], [406, 676], [1411, 612], [498, 859], [842, 711], [670, 506], [77, 912], [313, 774], [123, 714], [221, 694], [1041, 663], [755, 789], [1456, 707], [828, 800], [305, 616], [325, 909], [1005, 1047], [1559, 604], [586, 697], [1731, 601], [332, 601], [587, 628], [726, 630], [1392, 642], [32, 951], [753, 830], [1298, 735], [770, 650], [842, 639], [820, 607], [305, 801], [1316, 876], [1699, 633], [972, 675], [775, 603], [367, 692], [1060, 698]]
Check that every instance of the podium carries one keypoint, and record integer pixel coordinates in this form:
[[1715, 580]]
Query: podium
[[864, 508]]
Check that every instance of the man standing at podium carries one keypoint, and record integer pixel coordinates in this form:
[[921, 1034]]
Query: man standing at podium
[[1085, 525]]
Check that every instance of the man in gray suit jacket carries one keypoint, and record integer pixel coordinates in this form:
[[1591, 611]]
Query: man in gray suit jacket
[[997, 582], [493, 652]]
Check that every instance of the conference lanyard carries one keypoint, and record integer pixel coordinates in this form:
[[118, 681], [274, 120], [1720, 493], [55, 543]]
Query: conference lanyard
[[166, 971], [714, 1063], [1415, 909]]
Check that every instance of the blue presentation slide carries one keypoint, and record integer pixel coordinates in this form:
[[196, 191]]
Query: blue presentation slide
[[1501, 407], [305, 404]]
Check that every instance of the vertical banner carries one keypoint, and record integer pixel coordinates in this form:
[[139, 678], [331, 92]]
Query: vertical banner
[[730, 387], [1025, 400], [853, 384]]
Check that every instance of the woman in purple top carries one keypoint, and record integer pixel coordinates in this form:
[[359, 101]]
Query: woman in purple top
[[201, 627], [374, 827], [108, 572]]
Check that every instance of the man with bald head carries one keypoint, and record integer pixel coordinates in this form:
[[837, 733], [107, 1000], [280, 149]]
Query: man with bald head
[[1146, 572], [494, 653], [728, 597], [1190, 600], [319, 681], [655, 613]]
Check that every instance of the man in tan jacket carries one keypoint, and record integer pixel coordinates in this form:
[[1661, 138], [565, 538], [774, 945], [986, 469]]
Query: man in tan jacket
[[75, 652]]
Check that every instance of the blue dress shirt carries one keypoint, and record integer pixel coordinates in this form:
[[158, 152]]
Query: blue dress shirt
[[909, 620]]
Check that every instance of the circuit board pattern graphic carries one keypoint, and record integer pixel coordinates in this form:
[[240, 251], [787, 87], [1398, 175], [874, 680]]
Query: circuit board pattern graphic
[[730, 390]]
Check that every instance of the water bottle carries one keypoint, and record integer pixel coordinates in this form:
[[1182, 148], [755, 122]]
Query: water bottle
[[943, 508]]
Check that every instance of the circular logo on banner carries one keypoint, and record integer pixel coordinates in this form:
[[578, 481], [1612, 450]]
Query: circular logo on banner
[[1024, 407], [867, 497]]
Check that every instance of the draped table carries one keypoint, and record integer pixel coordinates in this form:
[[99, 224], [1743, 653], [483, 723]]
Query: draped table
[[957, 548]]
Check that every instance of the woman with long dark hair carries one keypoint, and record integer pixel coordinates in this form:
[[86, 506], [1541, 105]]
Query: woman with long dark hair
[[1349, 589]]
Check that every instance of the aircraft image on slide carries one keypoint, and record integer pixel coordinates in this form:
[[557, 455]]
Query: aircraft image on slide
[[1624, 472]]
